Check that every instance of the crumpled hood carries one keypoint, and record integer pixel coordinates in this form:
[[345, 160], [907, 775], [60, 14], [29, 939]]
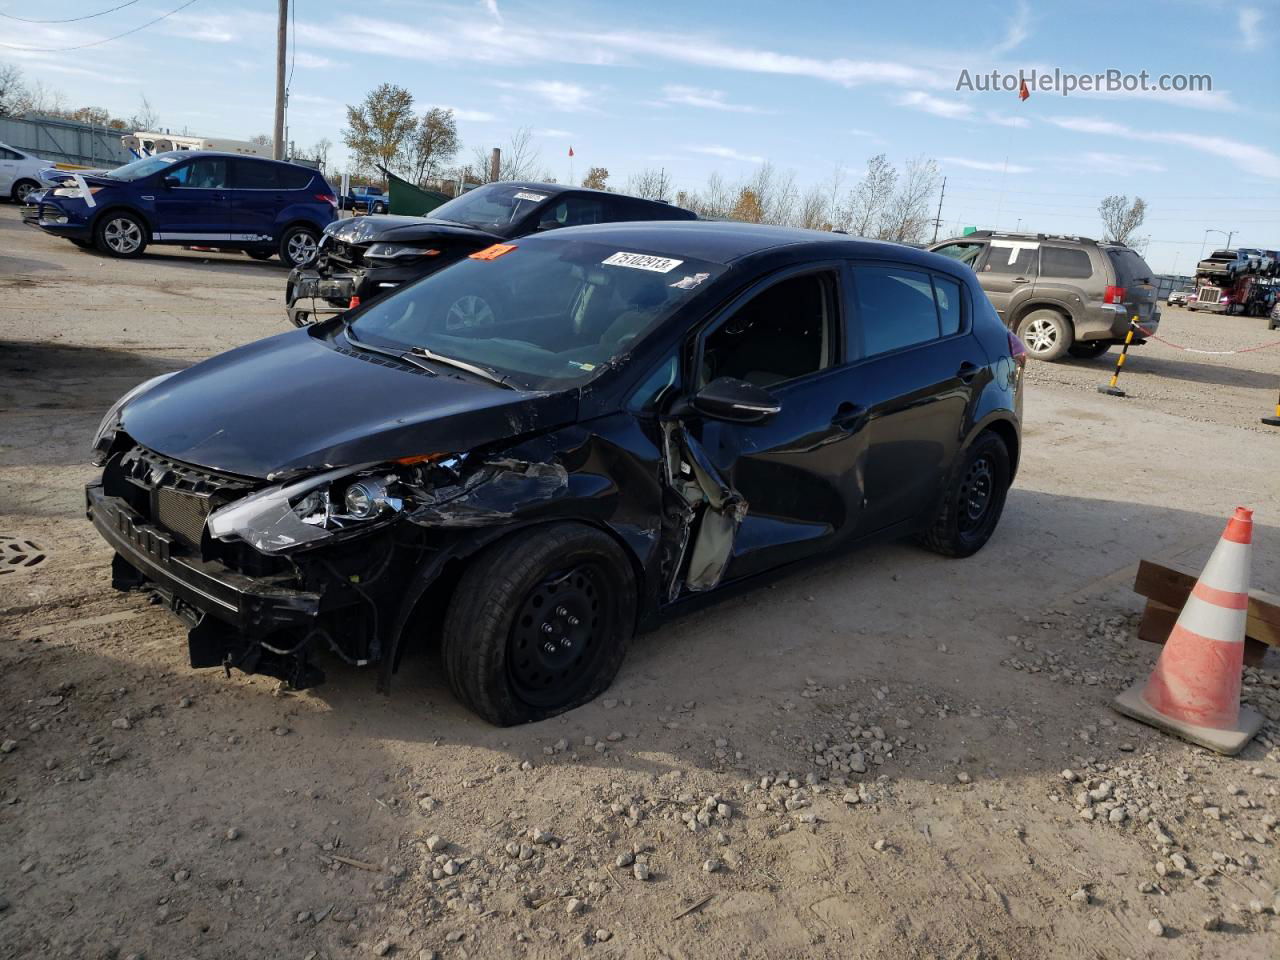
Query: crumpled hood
[[404, 230], [299, 402]]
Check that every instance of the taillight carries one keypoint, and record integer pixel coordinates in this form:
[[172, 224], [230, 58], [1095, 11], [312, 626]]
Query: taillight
[[328, 198], [1016, 349], [1113, 295]]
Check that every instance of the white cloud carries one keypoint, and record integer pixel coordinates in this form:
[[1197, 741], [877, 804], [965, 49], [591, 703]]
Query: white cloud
[[551, 133], [859, 132], [214, 28], [1004, 120], [1114, 164], [987, 166], [1018, 30], [492, 7], [1250, 22], [726, 153], [471, 116], [706, 99], [311, 61], [950, 109], [1258, 161], [556, 94]]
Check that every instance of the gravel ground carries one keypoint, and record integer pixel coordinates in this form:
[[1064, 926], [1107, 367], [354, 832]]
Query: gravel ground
[[868, 774]]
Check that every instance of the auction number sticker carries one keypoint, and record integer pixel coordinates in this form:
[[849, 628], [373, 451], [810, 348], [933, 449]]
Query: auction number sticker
[[535, 197], [641, 261]]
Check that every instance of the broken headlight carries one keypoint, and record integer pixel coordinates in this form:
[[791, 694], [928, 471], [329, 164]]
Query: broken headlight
[[106, 433], [397, 251], [288, 516]]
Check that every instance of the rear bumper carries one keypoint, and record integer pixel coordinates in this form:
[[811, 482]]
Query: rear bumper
[[196, 588], [1108, 321]]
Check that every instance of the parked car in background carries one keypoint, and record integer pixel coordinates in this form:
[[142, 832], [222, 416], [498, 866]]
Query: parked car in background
[[221, 201], [20, 173], [1224, 266], [366, 200], [621, 419], [1179, 297], [1273, 322], [367, 257], [1061, 294]]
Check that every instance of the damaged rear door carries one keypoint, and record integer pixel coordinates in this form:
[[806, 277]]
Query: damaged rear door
[[784, 488]]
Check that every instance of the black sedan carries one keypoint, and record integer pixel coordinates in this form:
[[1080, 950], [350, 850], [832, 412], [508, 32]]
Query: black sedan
[[528, 456], [368, 257]]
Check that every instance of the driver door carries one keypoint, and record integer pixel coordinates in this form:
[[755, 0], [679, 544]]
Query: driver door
[[799, 470], [197, 207]]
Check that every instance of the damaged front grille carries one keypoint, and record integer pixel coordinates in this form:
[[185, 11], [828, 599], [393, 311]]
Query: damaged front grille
[[344, 254], [182, 513]]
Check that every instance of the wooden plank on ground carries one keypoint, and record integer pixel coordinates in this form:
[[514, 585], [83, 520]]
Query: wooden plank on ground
[[1167, 588]]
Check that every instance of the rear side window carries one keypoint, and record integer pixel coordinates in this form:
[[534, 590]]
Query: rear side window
[[1017, 260], [203, 173], [7, 154], [293, 177], [1065, 262], [256, 175], [1129, 267], [895, 308]]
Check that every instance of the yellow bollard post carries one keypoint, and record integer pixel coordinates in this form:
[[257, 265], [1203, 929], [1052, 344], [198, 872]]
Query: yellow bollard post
[[1273, 421], [1110, 388]]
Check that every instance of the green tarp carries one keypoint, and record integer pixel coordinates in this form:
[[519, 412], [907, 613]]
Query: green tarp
[[408, 200]]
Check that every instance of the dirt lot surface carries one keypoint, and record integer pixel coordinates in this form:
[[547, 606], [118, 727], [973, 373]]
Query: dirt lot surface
[[867, 759]]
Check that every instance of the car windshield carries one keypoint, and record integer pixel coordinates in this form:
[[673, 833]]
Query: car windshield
[[142, 168], [490, 206], [541, 314]]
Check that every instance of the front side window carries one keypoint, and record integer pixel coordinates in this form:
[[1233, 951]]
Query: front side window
[[783, 333], [1012, 259], [143, 168], [546, 312], [204, 173], [895, 307], [966, 252]]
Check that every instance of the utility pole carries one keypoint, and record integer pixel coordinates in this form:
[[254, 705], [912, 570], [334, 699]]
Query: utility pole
[[282, 39], [937, 221], [495, 164]]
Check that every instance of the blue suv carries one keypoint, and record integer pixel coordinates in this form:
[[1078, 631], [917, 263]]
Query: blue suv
[[195, 198]]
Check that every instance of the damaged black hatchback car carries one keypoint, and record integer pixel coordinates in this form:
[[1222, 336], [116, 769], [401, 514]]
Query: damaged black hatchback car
[[640, 413]]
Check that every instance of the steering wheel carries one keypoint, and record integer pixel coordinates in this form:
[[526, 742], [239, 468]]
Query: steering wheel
[[469, 312]]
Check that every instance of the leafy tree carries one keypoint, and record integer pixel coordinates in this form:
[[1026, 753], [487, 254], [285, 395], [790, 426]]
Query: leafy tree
[[1120, 217], [379, 129], [597, 178], [434, 142], [748, 207]]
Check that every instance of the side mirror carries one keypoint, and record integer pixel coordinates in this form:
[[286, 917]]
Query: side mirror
[[171, 182], [737, 401]]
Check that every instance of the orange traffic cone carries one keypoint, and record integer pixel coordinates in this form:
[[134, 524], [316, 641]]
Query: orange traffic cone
[[1194, 690]]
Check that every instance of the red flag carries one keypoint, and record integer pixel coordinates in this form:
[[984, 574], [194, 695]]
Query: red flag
[[1023, 92], [571, 149]]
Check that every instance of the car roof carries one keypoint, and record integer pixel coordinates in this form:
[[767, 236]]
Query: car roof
[[554, 189], [185, 154], [726, 241]]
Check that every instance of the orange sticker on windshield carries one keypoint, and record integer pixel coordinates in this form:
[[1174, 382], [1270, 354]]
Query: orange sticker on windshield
[[494, 252]]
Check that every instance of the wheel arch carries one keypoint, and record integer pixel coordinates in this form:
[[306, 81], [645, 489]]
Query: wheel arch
[[142, 218], [1002, 424], [1031, 305], [432, 583], [13, 188]]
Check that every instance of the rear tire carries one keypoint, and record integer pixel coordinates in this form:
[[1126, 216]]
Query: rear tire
[[1046, 334], [120, 234], [539, 623], [973, 501], [298, 246], [22, 189], [1089, 349]]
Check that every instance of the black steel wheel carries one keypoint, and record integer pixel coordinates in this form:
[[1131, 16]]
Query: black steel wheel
[[970, 507], [539, 623]]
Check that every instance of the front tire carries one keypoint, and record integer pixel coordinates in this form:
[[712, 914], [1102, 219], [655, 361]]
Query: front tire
[[973, 501], [121, 234], [1046, 334], [539, 623], [299, 245], [260, 254]]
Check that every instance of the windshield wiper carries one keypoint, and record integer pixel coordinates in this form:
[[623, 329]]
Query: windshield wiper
[[485, 372], [408, 358]]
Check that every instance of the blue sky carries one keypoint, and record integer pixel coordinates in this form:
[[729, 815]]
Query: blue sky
[[814, 88]]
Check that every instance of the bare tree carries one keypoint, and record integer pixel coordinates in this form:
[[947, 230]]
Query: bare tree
[[42, 100], [1120, 217], [146, 117], [597, 178], [814, 209], [319, 152], [12, 90], [520, 160], [908, 212], [777, 194], [868, 203], [261, 139], [650, 184], [434, 142], [379, 128]]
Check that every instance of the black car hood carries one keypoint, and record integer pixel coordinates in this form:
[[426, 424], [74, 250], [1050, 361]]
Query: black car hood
[[301, 401], [406, 229]]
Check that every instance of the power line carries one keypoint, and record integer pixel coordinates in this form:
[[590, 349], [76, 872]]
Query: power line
[[87, 16], [96, 43]]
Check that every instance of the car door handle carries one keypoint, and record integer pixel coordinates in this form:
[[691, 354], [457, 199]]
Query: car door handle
[[967, 371], [849, 416], [1019, 280]]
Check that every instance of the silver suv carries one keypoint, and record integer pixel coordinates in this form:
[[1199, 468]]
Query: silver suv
[[1060, 294]]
